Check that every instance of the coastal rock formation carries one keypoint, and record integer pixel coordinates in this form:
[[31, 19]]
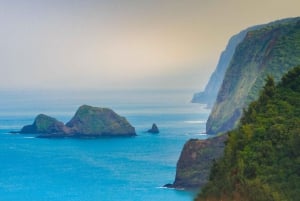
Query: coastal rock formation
[[44, 124], [87, 122], [272, 49], [95, 121], [154, 129], [195, 162], [209, 95], [261, 157]]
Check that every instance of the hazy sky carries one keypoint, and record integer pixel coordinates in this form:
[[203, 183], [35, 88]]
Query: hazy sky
[[122, 43]]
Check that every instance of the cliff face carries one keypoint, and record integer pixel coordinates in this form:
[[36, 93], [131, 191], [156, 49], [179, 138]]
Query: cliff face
[[209, 95], [272, 50], [261, 157], [195, 161]]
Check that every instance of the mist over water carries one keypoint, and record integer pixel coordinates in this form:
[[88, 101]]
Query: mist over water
[[96, 169]]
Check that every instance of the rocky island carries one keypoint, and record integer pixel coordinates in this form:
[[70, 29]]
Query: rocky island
[[153, 129], [88, 121]]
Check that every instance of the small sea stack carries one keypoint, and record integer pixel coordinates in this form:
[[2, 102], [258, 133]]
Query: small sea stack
[[154, 129]]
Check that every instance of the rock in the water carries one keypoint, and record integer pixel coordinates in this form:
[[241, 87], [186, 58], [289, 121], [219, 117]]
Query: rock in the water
[[88, 122], [95, 121], [44, 124], [195, 162], [154, 129]]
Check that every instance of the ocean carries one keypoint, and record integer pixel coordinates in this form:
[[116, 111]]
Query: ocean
[[104, 169]]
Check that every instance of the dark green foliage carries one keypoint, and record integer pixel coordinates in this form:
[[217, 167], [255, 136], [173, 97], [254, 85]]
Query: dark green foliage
[[262, 155]]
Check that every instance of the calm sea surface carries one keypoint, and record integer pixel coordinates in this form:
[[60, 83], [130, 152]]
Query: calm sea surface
[[109, 169]]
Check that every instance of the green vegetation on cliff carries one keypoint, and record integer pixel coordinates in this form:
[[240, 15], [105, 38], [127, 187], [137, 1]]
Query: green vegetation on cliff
[[262, 155], [272, 50], [209, 95]]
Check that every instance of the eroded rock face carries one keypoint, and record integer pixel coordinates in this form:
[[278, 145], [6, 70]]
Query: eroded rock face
[[88, 121], [196, 159]]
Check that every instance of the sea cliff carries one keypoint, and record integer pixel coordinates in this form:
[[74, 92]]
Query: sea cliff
[[195, 161], [268, 50], [273, 49], [261, 158], [209, 95]]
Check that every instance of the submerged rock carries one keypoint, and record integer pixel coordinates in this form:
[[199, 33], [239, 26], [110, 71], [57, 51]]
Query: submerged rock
[[154, 129], [88, 121]]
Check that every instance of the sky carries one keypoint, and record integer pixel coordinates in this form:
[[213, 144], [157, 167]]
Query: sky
[[122, 44]]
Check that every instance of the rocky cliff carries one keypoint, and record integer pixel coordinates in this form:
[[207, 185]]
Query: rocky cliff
[[261, 157], [88, 121], [272, 50], [195, 161], [209, 95]]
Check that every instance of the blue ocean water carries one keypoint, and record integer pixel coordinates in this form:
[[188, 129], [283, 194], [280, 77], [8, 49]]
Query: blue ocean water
[[109, 169]]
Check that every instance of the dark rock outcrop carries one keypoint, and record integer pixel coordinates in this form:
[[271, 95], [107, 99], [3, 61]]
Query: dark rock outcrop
[[154, 129], [87, 122], [195, 162]]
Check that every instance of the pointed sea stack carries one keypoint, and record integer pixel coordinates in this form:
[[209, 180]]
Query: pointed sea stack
[[154, 129]]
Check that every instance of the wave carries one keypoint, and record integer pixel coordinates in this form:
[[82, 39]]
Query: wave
[[29, 137], [162, 187]]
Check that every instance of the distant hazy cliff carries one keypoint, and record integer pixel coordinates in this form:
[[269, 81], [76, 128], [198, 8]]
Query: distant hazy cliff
[[272, 49], [209, 95]]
